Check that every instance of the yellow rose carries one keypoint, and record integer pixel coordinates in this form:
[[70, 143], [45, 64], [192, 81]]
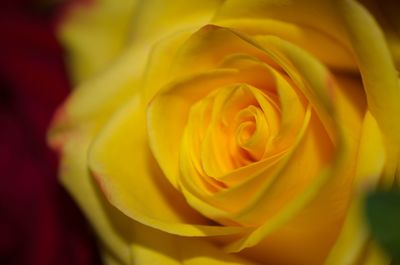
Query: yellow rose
[[229, 132]]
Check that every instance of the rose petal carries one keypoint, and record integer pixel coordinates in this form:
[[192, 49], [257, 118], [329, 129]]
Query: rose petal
[[131, 25], [135, 185], [352, 239], [379, 77], [385, 12], [113, 88], [334, 54], [318, 15], [76, 178], [169, 109], [95, 33], [157, 19], [156, 247]]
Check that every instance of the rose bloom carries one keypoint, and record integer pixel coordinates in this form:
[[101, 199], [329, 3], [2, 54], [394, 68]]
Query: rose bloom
[[229, 132]]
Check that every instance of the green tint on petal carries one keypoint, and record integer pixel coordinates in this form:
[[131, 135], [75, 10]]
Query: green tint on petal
[[383, 215]]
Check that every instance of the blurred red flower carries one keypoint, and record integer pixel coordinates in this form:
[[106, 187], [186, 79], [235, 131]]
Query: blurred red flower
[[39, 223]]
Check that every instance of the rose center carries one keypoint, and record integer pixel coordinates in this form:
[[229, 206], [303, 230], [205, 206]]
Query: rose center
[[229, 129]]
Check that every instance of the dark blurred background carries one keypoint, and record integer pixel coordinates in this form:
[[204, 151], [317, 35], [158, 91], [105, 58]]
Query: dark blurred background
[[39, 222]]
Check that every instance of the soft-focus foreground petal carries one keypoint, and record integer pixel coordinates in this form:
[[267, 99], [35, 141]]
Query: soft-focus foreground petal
[[97, 32], [379, 77], [316, 16], [76, 178], [351, 244], [112, 89], [334, 54], [131, 180], [386, 12], [94, 33], [156, 19], [116, 85]]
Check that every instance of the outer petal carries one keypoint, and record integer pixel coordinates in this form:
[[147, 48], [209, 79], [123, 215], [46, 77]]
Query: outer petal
[[334, 54], [379, 77], [371, 158], [156, 19], [386, 12], [314, 15], [94, 33], [105, 220], [156, 247], [98, 32], [111, 89]]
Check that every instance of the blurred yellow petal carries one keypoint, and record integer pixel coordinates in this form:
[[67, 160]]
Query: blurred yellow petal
[[111, 89], [105, 220], [94, 34], [379, 77], [316, 15], [386, 13], [98, 32], [156, 19], [334, 54], [370, 163]]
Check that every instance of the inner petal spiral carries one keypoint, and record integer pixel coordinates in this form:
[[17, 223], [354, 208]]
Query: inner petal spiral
[[229, 129]]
